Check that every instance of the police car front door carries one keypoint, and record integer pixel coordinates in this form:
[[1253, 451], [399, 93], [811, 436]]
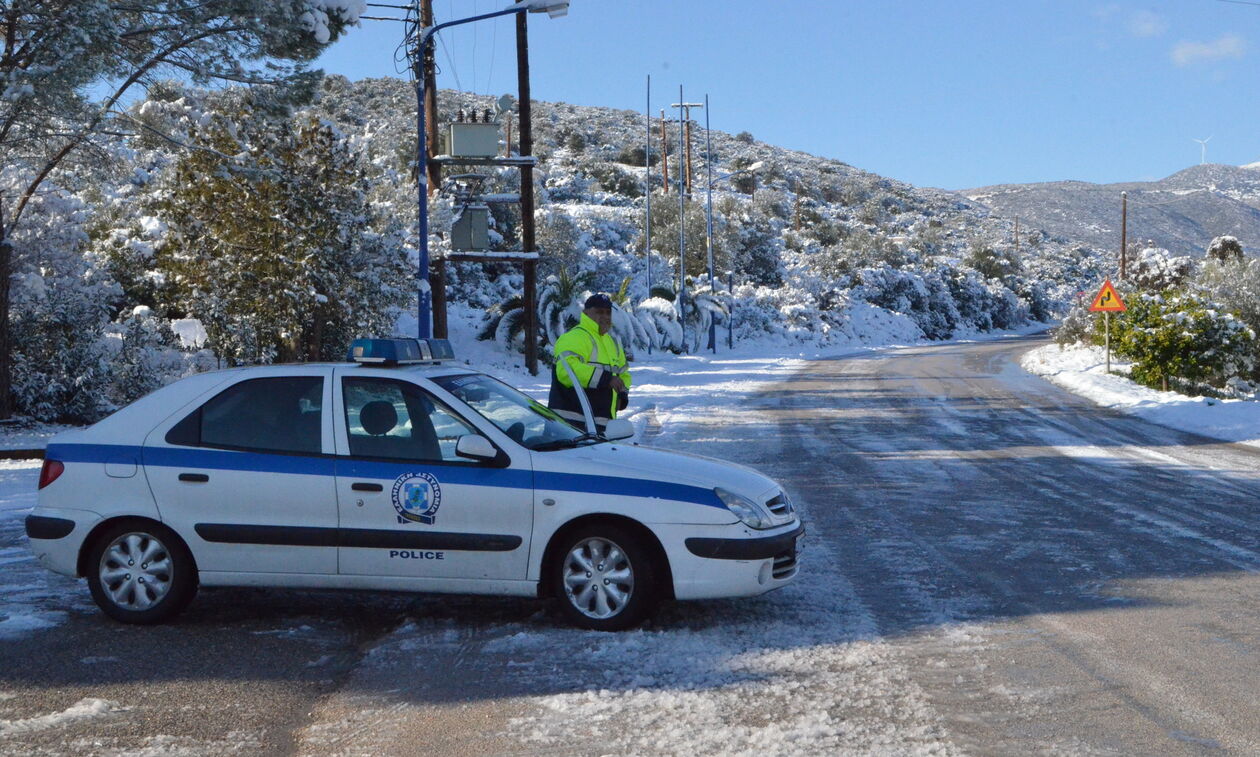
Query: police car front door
[[409, 506]]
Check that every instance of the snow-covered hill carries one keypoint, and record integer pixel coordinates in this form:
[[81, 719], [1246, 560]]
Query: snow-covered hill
[[1181, 213]]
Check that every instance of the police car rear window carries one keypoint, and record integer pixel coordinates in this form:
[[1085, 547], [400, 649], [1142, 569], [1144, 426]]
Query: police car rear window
[[265, 415]]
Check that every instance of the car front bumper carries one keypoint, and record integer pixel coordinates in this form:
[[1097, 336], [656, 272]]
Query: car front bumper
[[716, 563]]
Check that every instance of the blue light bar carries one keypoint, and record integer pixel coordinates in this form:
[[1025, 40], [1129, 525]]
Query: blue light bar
[[399, 351]]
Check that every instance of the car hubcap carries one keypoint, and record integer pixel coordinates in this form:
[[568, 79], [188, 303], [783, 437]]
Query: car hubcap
[[598, 578], [135, 571]]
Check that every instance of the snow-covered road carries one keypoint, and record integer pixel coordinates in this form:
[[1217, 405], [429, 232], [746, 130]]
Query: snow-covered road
[[993, 566]]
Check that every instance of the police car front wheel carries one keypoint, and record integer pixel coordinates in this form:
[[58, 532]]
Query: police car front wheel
[[140, 573], [605, 580]]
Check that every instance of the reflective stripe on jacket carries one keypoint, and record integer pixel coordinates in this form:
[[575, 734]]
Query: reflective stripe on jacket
[[595, 359]]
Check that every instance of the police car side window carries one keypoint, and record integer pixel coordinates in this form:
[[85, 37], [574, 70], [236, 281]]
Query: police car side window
[[262, 415], [396, 419]]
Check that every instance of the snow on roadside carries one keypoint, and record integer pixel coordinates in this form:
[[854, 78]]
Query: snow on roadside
[[1082, 370]]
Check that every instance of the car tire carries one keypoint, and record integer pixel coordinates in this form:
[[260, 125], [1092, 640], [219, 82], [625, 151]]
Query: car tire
[[140, 572], [604, 578]]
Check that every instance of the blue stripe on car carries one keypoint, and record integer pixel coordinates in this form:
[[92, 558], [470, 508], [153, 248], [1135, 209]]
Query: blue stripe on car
[[330, 465]]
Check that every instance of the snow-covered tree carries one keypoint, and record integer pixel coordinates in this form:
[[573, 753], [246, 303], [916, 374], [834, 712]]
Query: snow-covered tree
[[57, 55], [270, 242]]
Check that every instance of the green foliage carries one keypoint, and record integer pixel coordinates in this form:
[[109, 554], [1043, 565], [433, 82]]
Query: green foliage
[[1181, 335], [993, 262], [635, 156], [613, 179], [272, 249]]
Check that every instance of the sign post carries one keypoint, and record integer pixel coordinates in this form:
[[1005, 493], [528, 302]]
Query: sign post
[[1107, 301]]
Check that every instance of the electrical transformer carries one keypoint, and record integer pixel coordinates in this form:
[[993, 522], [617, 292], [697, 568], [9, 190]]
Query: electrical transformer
[[472, 140], [471, 231]]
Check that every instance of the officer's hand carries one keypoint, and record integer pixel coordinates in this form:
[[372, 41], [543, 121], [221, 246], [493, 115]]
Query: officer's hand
[[618, 384]]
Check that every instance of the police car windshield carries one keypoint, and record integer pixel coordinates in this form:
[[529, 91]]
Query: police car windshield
[[528, 422]]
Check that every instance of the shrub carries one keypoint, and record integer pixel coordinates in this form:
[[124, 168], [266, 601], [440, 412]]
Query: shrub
[[1224, 249], [1183, 336]]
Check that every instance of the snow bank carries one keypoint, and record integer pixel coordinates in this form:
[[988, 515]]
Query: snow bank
[[1082, 370]]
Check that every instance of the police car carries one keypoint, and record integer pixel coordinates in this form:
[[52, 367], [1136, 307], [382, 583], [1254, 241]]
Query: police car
[[399, 470]]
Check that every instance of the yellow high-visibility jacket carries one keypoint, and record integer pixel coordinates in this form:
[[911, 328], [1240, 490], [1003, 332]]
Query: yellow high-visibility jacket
[[595, 360]]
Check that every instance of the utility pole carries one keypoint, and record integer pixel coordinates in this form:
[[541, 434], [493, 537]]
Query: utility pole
[[528, 242], [685, 114], [1017, 235], [430, 104], [1124, 230], [664, 152], [647, 174], [433, 169], [682, 238]]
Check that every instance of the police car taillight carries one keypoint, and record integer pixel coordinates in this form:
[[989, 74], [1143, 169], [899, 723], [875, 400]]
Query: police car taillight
[[49, 473], [396, 351]]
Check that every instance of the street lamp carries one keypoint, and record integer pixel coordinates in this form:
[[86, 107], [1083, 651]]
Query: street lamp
[[709, 211], [424, 307]]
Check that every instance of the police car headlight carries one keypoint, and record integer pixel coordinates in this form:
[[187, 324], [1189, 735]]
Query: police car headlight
[[749, 512]]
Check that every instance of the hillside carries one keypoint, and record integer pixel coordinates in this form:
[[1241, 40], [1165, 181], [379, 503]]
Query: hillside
[[805, 234], [267, 226], [1181, 213]]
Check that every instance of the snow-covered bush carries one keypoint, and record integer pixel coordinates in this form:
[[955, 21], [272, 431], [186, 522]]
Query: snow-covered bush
[[147, 357], [1224, 249], [659, 321], [1183, 338], [58, 318], [1155, 269]]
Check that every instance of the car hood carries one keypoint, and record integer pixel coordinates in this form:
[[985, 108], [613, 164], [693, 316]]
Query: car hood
[[634, 461]]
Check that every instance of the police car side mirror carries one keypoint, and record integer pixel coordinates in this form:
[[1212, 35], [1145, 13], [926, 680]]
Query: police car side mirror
[[618, 428], [475, 447]]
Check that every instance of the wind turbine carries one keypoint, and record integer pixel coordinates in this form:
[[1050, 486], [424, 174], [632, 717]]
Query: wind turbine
[[1203, 148]]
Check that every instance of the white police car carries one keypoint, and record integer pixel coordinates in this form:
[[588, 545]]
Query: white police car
[[396, 471]]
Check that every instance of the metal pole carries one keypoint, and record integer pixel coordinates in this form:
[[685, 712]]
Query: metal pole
[[647, 172], [708, 157], [1124, 230], [730, 317], [682, 234], [1107, 338]]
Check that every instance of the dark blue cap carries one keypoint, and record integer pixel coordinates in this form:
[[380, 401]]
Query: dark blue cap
[[599, 300]]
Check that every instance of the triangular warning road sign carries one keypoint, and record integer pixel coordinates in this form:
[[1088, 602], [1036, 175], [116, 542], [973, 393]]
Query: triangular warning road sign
[[1108, 300]]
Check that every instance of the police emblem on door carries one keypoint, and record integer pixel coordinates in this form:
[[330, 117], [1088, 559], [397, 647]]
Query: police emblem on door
[[417, 497]]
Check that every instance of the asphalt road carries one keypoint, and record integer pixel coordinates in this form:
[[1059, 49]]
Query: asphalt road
[[994, 566]]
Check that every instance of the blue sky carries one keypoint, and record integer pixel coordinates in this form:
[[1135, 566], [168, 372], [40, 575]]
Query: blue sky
[[949, 94]]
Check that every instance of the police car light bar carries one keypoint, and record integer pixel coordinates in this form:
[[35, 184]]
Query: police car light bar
[[399, 351]]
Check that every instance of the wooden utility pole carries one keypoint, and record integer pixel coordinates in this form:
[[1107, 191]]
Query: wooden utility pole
[[528, 243], [684, 113], [687, 129], [430, 103], [433, 169], [664, 152], [1124, 230]]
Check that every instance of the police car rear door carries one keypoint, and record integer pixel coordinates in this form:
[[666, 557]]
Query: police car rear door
[[246, 477], [410, 507]]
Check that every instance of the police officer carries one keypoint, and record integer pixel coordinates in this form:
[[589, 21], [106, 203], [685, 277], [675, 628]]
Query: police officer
[[598, 362]]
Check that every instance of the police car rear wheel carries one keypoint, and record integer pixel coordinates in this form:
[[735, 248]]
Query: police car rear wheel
[[605, 579], [140, 573]]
